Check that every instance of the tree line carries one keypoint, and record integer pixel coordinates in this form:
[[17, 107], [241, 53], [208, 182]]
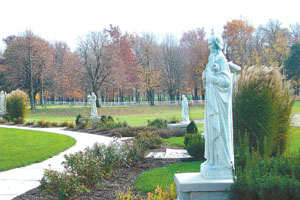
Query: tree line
[[119, 66]]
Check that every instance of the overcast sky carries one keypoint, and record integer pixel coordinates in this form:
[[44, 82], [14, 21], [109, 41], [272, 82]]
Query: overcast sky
[[66, 20]]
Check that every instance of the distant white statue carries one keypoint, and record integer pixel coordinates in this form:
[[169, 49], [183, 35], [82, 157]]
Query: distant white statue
[[3, 103], [92, 100], [218, 130], [185, 110]]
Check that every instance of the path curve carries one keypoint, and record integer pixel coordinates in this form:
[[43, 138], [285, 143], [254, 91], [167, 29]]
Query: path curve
[[17, 181]]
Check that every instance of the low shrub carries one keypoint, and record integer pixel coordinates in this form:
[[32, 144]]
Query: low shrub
[[16, 105], [83, 170], [192, 128], [7, 117], [102, 123], [174, 120], [71, 125], [54, 124], [194, 145], [18, 120], [29, 123], [158, 194], [265, 178], [85, 166], [111, 156], [44, 124], [158, 123], [40, 122], [149, 140], [2, 120], [134, 131], [64, 124], [62, 185]]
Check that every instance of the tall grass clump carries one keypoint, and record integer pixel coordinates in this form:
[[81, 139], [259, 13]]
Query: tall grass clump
[[16, 105], [262, 108]]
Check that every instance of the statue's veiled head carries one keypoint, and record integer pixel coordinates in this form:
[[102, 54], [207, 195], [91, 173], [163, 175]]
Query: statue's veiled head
[[215, 42]]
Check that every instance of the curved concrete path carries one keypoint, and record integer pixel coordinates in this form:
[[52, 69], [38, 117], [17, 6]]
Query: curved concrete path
[[18, 181]]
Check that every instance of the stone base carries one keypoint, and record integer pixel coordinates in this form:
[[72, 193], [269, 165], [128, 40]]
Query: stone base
[[181, 126], [192, 186], [215, 172]]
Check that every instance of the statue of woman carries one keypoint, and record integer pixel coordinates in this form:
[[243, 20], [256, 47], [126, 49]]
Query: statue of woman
[[92, 99], [3, 102], [218, 130], [185, 110]]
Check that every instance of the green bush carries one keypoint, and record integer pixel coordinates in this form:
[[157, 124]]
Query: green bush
[[265, 178], [18, 120], [194, 145], [192, 128], [16, 105], [104, 123], [158, 123], [85, 166], [262, 109], [149, 140], [62, 185], [77, 119]]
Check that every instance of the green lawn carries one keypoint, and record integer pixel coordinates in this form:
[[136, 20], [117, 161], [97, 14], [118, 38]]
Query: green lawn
[[134, 115], [23, 147], [294, 140], [296, 107], [148, 181]]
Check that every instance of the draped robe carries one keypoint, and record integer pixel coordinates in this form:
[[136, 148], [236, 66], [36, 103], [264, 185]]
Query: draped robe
[[218, 126]]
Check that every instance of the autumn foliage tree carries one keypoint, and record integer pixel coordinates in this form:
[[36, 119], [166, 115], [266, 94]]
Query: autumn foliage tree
[[28, 63], [146, 52], [68, 72], [195, 51], [124, 77], [238, 35]]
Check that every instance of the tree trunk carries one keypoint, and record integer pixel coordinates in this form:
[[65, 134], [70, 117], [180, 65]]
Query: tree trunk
[[137, 95], [196, 93], [150, 96]]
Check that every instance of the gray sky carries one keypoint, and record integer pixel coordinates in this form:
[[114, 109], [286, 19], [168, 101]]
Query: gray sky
[[66, 20]]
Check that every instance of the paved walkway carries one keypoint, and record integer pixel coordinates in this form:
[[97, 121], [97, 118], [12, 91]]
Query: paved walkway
[[18, 181]]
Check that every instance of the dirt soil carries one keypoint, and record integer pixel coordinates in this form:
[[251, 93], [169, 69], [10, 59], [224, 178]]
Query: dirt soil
[[123, 179]]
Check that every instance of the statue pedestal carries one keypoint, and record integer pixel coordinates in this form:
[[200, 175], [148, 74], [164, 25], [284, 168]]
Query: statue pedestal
[[181, 126], [192, 186]]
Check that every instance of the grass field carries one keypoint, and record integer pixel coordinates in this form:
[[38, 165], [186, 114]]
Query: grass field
[[134, 115], [23, 147], [147, 182]]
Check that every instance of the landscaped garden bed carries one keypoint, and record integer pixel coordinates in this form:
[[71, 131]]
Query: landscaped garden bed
[[122, 180]]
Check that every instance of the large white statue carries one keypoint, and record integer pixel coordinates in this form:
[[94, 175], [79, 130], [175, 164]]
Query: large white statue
[[185, 110], [3, 103], [218, 130], [92, 99]]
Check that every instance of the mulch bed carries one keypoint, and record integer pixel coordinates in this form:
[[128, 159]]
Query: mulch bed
[[123, 179]]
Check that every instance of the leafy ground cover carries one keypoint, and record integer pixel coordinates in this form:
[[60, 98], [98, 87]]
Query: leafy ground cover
[[23, 147], [148, 181], [134, 115]]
